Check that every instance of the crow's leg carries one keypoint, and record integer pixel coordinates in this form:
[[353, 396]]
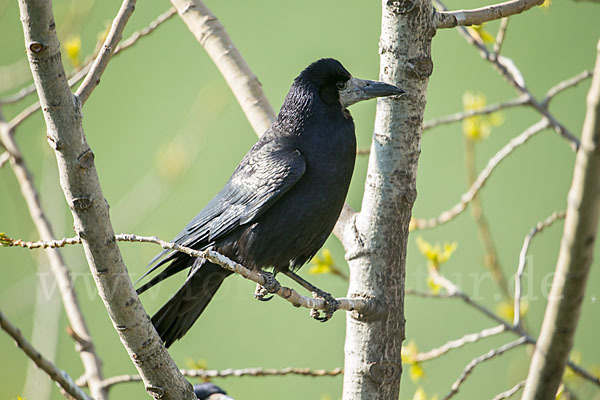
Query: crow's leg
[[331, 303], [271, 286]]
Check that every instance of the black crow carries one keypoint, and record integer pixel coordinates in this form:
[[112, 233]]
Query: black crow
[[283, 199]]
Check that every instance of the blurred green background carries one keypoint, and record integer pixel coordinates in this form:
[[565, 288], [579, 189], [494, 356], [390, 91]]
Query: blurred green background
[[167, 133]]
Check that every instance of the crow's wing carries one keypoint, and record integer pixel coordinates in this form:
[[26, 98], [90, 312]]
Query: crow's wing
[[267, 171]]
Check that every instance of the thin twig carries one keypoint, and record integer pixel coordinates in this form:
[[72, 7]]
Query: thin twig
[[511, 74], [57, 375], [453, 291], [362, 306], [493, 162], [83, 71], [92, 79], [226, 373], [509, 392], [500, 36], [523, 99], [564, 85], [131, 40], [491, 261], [459, 116], [478, 360], [21, 94], [451, 19], [455, 344], [540, 226]]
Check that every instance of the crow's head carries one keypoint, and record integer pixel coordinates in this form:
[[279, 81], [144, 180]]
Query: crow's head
[[337, 86]]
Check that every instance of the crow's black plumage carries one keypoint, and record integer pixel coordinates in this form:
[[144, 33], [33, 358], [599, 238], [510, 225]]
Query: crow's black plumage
[[283, 199]]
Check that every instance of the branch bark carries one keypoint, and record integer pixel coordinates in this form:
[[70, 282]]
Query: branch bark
[[230, 372], [362, 306], [377, 261], [211, 34], [451, 19], [57, 375], [115, 34], [79, 180], [574, 259], [482, 178], [91, 362]]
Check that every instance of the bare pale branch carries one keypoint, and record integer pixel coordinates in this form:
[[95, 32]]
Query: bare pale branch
[[452, 19], [490, 260], [509, 392], [359, 305], [574, 259], [455, 344], [21, 94], [500, 36], [453, 291], [57, 375], [523, 99], [564, 85], [227, 373], [478, 360], [211, 34], [482, 178], [115, 34], [540, 226], [509, 71], [459, 116]]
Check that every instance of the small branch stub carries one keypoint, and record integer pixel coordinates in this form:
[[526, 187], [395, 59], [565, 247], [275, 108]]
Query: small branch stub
[[385, 371], [36, 47]]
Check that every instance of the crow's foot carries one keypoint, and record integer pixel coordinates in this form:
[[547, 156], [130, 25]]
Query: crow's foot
[[270, 286], [331, 305], [261, 294]]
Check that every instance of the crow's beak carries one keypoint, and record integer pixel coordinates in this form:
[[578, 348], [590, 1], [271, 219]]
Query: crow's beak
[[359, 89]]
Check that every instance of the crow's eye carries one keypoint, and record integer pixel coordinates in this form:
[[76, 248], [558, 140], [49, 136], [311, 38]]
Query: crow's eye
[[341, 85]]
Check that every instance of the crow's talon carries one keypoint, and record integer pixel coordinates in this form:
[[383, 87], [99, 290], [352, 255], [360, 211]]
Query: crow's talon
[[331, 305], [261, 294]]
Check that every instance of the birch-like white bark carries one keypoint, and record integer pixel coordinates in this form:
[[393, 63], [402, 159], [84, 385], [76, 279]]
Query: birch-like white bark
[[377, 261], [211, 34], [79, 180], [574, 259]]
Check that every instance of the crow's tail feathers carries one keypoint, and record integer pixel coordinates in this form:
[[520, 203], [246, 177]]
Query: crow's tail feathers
[[178, 315]]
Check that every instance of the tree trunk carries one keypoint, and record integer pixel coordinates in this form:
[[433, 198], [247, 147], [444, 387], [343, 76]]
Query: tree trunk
[[80, 184], [377, 259]]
